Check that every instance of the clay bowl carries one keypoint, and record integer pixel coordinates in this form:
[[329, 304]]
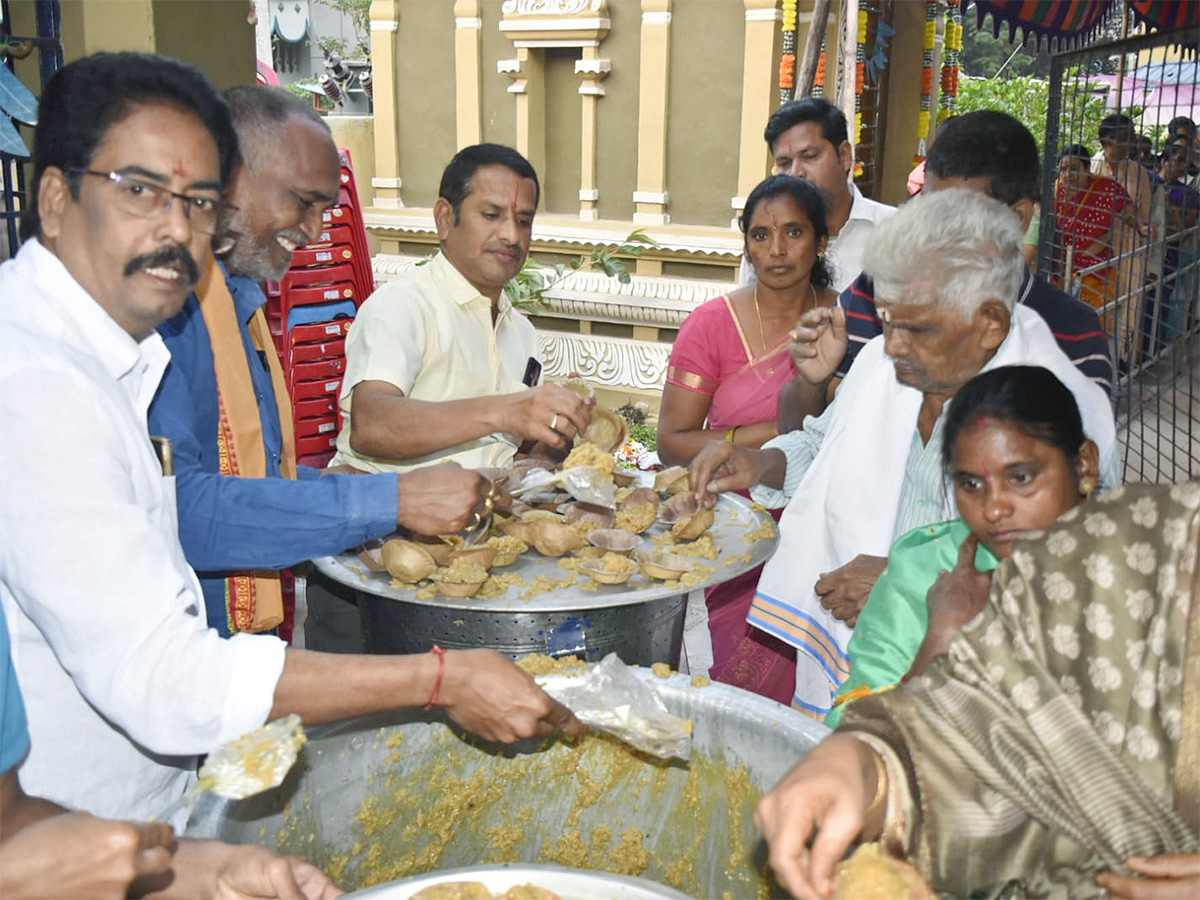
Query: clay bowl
[[671, 480], [600, 516], [506, 557], [678, 506], [596, 570], [663, 566], [554, 539], [406, 561], [613, 540], [482, 555], [691, 527], [457, 590]]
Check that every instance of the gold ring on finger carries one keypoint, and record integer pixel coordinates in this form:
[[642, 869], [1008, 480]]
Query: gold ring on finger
[[554, 423]]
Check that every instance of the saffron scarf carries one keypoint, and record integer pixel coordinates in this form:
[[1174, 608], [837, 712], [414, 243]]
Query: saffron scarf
[[253, 598]]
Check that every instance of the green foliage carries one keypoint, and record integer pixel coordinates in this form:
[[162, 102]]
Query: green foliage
[[646, 435], [301, 90], [527, 290], [359, 13], [1027, 99], [330, 44], [983, 55]]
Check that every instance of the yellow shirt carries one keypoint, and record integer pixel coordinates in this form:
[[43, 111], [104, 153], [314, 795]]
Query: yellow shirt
[[430, 334]]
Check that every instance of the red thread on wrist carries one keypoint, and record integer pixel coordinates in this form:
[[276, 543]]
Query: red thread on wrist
[[437, 685]]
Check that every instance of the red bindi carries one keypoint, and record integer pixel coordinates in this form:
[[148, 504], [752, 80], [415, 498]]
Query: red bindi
[[179, 170]]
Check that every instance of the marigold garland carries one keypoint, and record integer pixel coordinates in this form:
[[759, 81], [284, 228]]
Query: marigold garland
[[818, 89], [787, 64], [860, 79], [951, 61], [923, 116]]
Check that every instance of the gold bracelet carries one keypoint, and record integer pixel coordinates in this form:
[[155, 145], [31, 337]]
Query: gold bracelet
[[881, 784], [729, 435]]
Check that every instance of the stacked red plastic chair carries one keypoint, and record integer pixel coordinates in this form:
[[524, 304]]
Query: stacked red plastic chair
[[310, 312]]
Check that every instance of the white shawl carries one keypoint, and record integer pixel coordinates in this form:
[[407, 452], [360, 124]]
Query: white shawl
[[848, 500]]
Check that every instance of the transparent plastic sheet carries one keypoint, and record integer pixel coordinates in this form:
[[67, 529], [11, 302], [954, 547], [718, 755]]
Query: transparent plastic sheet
[[610, 698], [585, 483]]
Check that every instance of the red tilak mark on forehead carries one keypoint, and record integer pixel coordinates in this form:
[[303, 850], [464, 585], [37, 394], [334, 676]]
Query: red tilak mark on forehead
[[179, 170]]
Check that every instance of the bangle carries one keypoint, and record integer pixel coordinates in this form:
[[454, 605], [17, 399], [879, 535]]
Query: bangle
[[881, 784], [730, 434], [437, 685]]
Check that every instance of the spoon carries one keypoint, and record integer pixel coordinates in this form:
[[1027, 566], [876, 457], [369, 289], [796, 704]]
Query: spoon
[[257, 761]]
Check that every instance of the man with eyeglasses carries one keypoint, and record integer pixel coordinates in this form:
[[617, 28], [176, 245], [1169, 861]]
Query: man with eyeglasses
[[125, 684], [246, 509]]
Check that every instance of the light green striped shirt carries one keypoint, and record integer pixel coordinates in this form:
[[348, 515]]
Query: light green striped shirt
[[924, 497]]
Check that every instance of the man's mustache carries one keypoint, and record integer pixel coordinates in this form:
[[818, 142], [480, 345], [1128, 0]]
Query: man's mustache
[[165, 256]]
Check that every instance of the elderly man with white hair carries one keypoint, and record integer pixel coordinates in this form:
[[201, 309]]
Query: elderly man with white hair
[[947, 270]]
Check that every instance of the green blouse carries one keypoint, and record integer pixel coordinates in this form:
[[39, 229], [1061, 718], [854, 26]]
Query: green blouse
[[892, 625]]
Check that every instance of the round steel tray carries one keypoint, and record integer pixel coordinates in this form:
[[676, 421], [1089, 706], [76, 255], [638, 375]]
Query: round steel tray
[[734, 520], [569, 884]]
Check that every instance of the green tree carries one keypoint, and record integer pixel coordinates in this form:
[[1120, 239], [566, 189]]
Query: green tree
[[1027, 99], [984, 55]]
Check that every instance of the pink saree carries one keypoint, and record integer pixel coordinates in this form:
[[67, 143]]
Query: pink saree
[[712, 357]]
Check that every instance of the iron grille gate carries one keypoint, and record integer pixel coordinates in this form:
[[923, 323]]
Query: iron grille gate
[[50, 60], [1131, 249]]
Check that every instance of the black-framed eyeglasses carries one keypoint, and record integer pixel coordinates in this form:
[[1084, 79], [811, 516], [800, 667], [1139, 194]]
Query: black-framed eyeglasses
[[147, 200]]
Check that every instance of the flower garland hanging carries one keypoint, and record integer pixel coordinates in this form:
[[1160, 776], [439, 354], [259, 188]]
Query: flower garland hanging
[[950, 63], [923, 117], [818, 89], [787, 64], [860, 79]]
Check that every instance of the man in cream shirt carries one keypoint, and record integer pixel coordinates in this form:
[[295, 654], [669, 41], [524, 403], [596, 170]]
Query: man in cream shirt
[[438, 362]]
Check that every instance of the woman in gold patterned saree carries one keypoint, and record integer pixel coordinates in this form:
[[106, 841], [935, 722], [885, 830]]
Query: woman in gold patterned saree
[[1055, 750]]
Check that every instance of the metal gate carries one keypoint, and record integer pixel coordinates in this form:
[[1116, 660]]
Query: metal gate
[[1119, 231], [50, 59]]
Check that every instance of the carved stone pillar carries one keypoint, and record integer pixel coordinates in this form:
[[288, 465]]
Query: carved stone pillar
[[650, 198], [591, 71], [385, 21], [468, 72], [763, 44], [528, 74], [532, 26]]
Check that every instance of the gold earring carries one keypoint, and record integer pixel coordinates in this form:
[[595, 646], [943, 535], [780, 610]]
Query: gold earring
[[1086, 489]]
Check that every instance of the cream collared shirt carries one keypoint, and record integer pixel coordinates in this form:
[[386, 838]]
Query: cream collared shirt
[[430, 334], [124, 683]]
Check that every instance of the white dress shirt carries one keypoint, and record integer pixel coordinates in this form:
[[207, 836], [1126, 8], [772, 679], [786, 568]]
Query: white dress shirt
[[123, 682], [845, 252]]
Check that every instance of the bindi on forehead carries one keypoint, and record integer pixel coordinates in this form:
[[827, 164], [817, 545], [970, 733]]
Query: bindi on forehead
[[180, 171]]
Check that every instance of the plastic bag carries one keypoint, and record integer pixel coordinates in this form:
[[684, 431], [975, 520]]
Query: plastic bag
[[612, 699], [585, 483]]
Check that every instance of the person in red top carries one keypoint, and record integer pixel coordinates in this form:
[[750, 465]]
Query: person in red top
[[1086, 207]]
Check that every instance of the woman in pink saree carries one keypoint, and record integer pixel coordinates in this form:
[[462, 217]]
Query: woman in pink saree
[[727, 366]]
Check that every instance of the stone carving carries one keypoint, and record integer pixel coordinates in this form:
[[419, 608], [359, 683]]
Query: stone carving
[[612, 362], [550, 7], [595, 297]]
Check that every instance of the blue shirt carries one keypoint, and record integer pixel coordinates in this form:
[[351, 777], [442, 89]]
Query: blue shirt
[[229, 524], [14, 733]]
